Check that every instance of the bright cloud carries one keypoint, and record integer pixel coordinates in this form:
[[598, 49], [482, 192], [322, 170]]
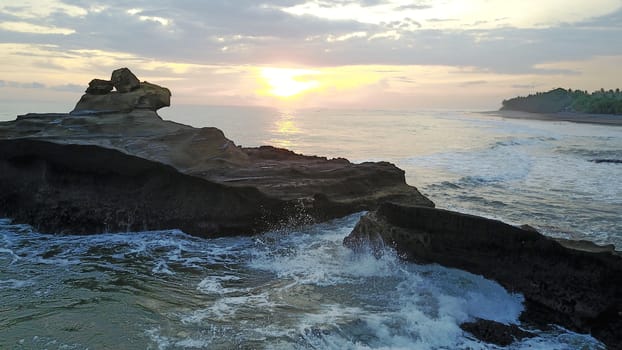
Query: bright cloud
[[455, 14], [25, 27], [37, 9]]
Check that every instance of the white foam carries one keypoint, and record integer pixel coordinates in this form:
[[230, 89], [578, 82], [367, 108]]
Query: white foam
[[224, 308], [320, 258], [298, 289], [162, 268], [14, 257], [16, 284], [214, 285]]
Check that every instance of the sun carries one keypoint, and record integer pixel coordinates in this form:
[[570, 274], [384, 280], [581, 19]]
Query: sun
[[286, 82]]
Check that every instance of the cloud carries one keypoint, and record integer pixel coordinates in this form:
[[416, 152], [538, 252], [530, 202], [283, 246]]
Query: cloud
[[25, 27], [38, 85], [37, 9], [188, 39], [263, 33], [474, 82], [524, 86]]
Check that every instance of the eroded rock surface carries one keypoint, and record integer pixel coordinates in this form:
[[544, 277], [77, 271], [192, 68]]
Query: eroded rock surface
[[124, 80], [130, 94], [578, 286], [90, 172], [99, 87]]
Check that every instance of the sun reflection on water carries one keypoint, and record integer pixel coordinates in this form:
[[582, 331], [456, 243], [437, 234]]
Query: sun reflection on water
[[285, 131]]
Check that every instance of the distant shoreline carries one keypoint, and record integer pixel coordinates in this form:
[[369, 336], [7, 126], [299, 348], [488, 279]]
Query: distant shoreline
[[602, 119]]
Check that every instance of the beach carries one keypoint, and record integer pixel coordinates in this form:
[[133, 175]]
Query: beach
[[604, 119]]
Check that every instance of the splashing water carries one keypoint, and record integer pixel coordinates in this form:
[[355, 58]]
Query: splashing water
[[296, 289]]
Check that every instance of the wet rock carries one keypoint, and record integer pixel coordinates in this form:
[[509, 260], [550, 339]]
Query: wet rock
[[495, 332], [99, 87], [85, 189], [124, 80], [573, 285], [609, 161]]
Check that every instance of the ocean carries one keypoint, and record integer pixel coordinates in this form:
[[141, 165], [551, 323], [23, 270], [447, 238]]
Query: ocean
[[300, 288]]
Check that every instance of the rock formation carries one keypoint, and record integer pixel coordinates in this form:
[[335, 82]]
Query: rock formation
[[131, 94], [495, 332], [124, 80], [99, 87], [577, 285], [114, 165]]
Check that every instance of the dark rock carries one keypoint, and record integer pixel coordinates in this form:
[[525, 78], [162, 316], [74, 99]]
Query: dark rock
[[83, 189], [131, 94], [528, 228], [99, 87], [147, 96], [580, 289], [610, 161], [72, 173], [192, 179], [495, 332], [124, 80]]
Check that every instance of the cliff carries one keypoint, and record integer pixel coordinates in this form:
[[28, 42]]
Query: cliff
[[113, 164]]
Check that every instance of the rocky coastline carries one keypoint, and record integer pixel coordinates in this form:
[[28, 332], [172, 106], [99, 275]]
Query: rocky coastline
[[112, 164], [577, 285]]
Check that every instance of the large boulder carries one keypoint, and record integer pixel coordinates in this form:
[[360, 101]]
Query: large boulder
[[131, 94], [99, 87], [574, 284], [495, 333], [124, 80]]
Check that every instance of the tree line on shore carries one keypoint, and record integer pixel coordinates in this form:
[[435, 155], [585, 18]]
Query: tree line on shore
[[562, 100]]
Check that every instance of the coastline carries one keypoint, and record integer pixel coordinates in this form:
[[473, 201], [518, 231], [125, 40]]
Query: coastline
[[602, 119]]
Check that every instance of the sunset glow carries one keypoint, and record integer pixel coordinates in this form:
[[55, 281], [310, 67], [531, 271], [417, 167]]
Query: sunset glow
[[289, 82]]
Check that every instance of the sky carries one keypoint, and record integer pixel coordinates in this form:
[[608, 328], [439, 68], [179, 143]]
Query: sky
[[394, 54]]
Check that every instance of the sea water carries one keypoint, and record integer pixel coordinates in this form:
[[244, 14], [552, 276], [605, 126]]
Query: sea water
[[299, 288]]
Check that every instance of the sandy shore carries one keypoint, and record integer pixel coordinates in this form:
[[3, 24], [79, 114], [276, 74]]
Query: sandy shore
[[605, 119]]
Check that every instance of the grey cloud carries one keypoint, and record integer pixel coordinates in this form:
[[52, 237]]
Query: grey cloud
[[612, 20], [38, 85], [269, 35], [413, 7], [524, 86], [15, 84], [68, 87], [474, 82], [405, 79], [441, 20]]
